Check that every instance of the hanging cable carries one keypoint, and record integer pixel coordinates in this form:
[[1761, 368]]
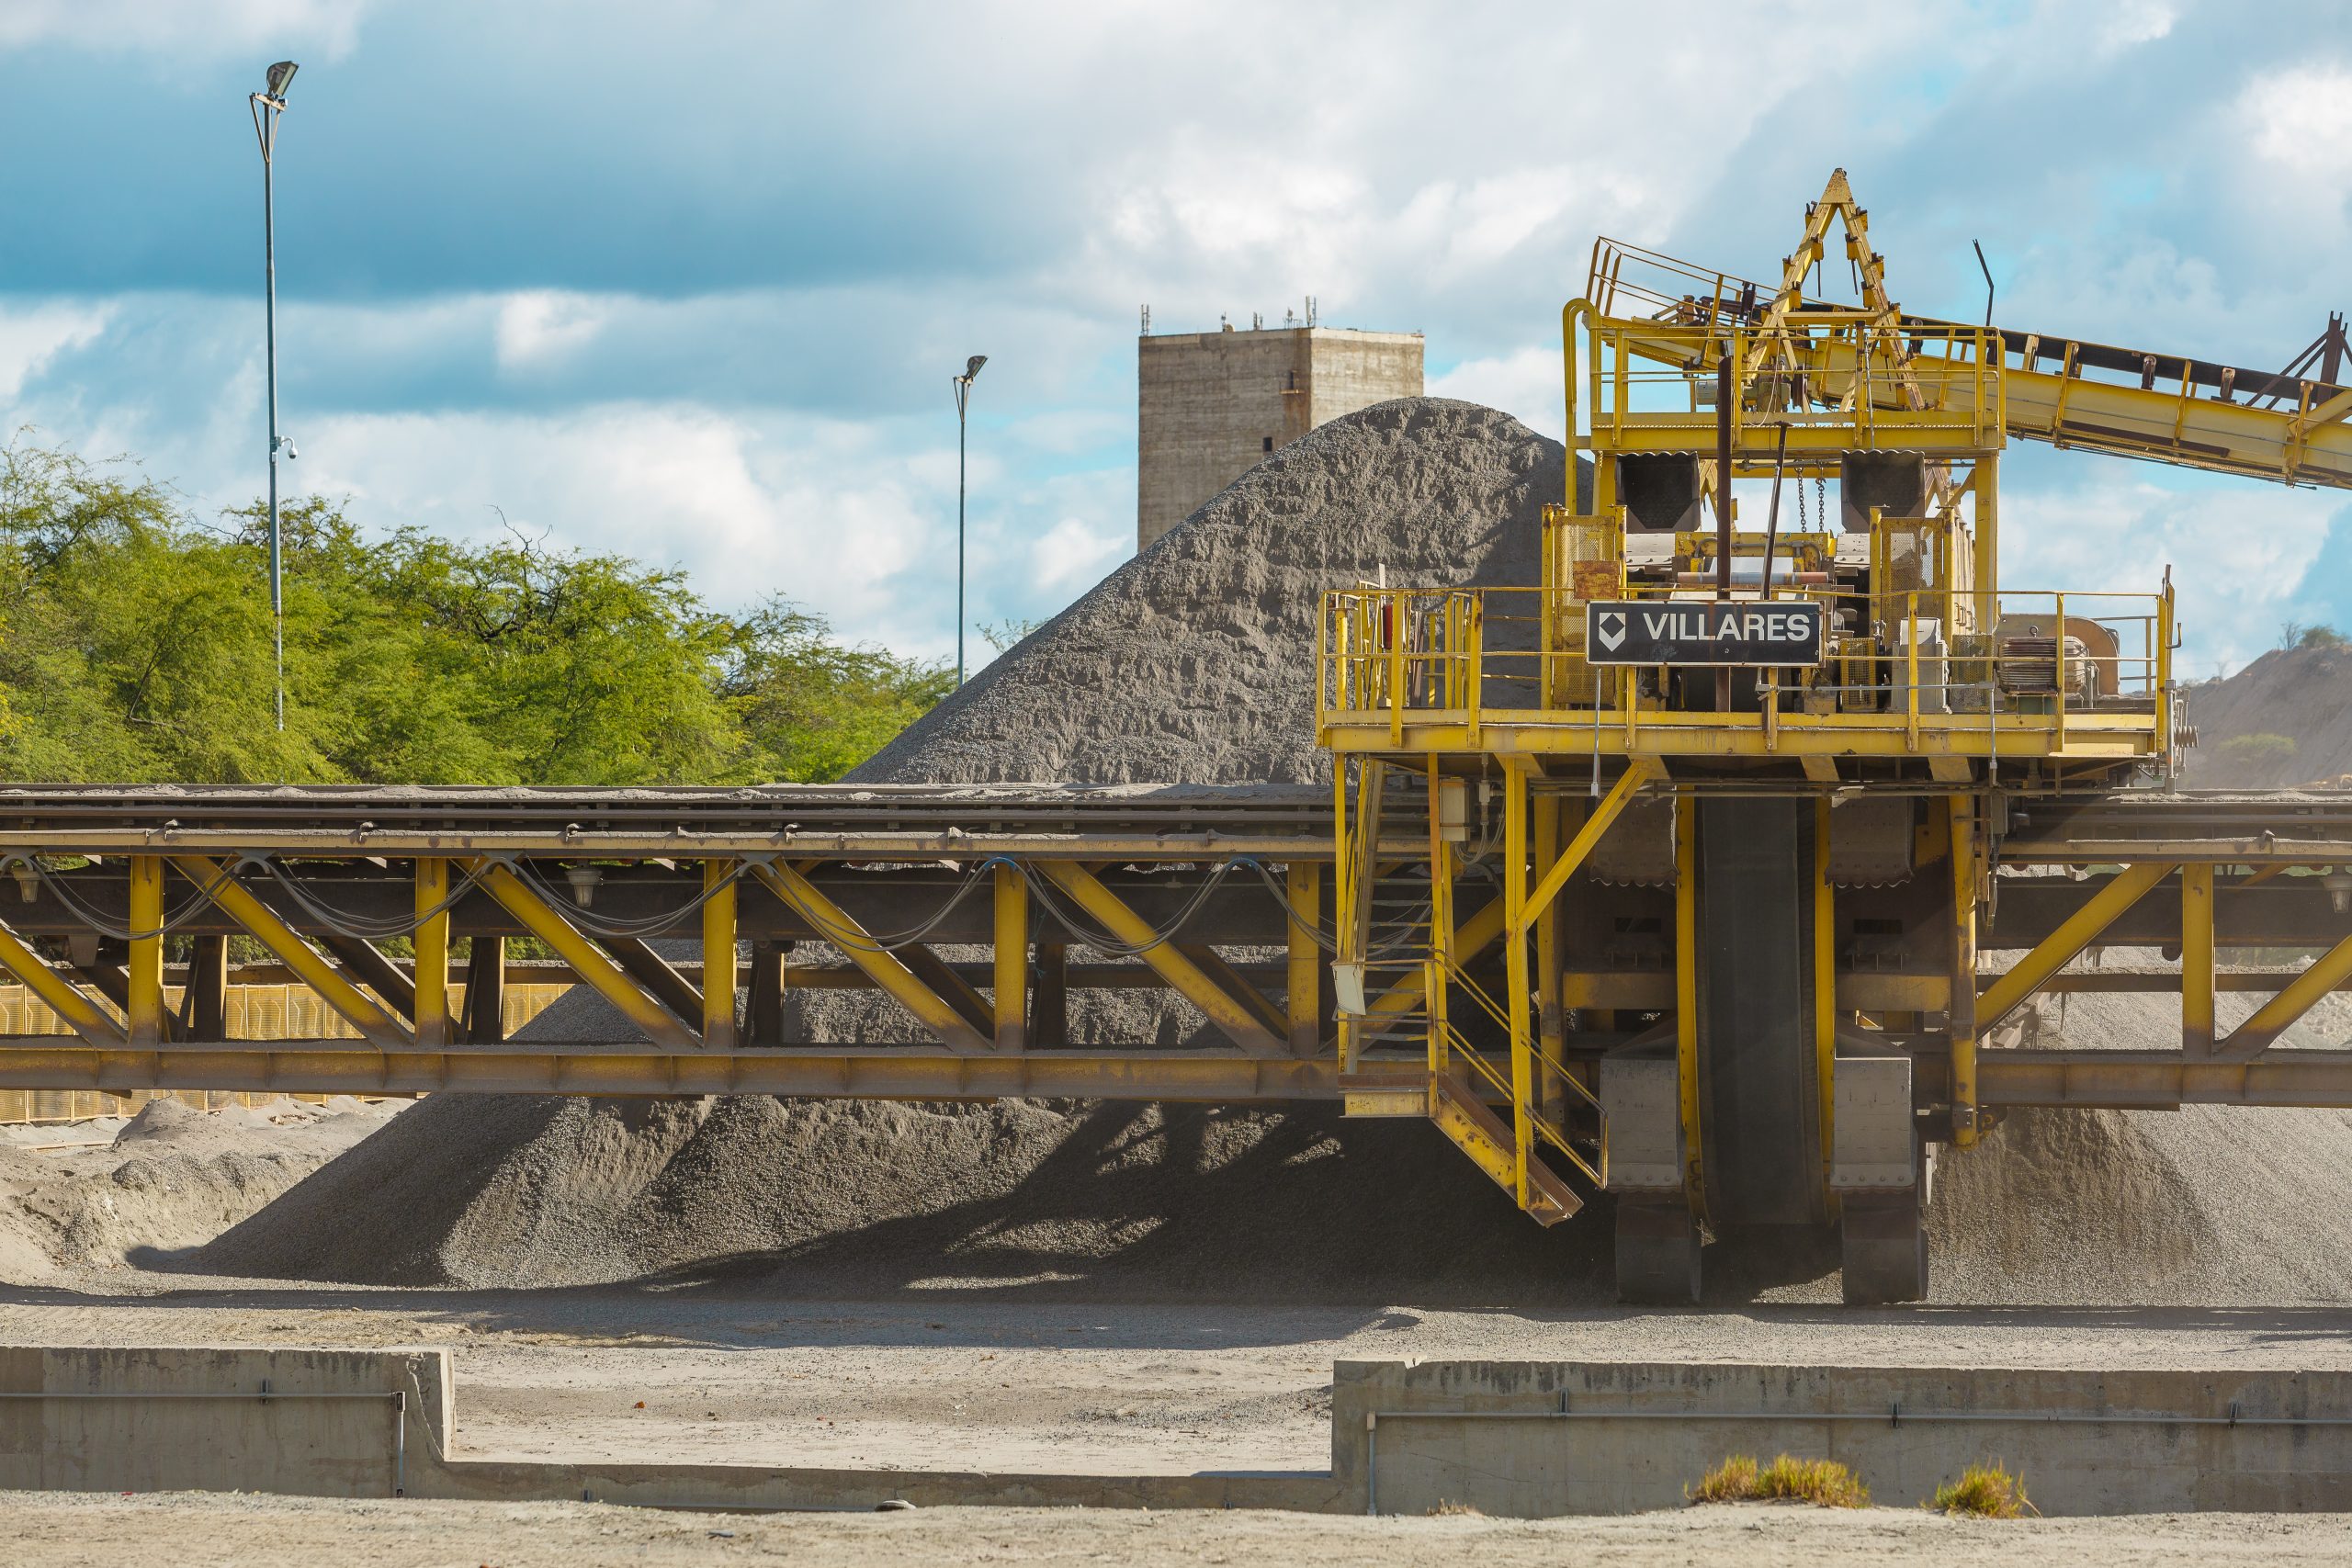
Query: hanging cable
[[104, 923], [650, 925], [361, 927]]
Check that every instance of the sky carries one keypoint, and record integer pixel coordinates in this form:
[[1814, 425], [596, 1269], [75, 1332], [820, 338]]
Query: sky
[[689, 281]]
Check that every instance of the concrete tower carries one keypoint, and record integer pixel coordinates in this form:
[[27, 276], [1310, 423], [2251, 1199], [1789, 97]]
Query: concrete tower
[[1215, 405]]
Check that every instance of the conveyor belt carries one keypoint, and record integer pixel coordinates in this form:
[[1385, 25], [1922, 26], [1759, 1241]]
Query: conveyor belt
[[812, 819], [2229, 826]]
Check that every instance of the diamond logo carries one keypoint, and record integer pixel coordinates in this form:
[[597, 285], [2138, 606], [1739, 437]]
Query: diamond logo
[[1609, 629]]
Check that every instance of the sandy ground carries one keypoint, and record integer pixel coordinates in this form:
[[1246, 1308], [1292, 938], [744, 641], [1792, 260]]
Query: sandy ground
[[108, 1532], [960, 1382]]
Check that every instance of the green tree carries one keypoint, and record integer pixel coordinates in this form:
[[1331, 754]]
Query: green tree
[[136, 646]]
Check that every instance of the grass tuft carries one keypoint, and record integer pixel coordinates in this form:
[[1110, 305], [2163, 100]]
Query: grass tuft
[[1985, 1492], [1824, 1482], [1447, 1508]]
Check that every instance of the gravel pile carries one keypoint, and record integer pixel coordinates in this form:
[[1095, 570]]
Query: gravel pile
[[2280, 720], [1193, 661], [170, 1177]]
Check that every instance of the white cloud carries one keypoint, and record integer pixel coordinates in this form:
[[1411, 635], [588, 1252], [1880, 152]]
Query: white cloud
[[542, 324], [32, 336], [182, 28], [1074, 553], [749, 506], [2301, 119], [1527, 382], [2239, 552]]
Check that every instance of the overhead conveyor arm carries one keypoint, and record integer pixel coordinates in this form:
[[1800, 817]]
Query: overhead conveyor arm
[[2284, 426]]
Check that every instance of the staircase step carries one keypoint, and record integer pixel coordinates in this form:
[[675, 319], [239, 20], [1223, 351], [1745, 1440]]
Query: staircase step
[[1463, 1116]]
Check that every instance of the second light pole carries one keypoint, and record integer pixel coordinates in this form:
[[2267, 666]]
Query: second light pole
[[963, 401], [267, 106]]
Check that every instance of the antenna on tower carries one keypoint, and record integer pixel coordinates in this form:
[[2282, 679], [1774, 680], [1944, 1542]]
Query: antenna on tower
[[1147, 321], [1310, 310]]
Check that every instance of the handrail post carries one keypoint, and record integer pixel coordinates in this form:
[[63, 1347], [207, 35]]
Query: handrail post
[[2058, 656], [1911, 660]]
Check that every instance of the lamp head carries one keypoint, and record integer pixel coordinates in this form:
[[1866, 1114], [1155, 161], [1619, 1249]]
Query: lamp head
[[972, 366], [281, 77]]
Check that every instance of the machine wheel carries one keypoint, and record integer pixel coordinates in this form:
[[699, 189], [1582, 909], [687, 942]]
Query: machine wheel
[[1657, 1254], [1884, 1240]]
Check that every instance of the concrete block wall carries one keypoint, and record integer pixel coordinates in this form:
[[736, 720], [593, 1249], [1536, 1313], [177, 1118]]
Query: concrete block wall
[[1210, 406], [1539, 1439]]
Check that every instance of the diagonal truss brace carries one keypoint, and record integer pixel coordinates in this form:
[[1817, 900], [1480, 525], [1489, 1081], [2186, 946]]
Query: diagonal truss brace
[[587, 960], [879, 964], [1246, 1026], [64, 997], [314, 969], [2076, 933]]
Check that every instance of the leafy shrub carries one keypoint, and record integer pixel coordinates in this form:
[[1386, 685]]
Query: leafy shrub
[[2260, 748]]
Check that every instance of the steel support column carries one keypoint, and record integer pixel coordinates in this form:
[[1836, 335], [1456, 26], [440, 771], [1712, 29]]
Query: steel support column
[[1011, 954], [432, 944], [2196, 959], [1686, 991], [1303, 986], [144, 1002], [719, 974]]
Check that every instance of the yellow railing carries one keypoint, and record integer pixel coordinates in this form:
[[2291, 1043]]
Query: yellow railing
[[2057, 664]]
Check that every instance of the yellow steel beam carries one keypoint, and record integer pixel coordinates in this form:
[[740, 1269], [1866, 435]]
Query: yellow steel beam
[[1551, 1023], [1303, 992], [719, 1030], [1012, 936], [1638, 772], [61, 997], [334, 988], [884, 968], [2274, 1017], [2076, 933], [1686, 992], [2125, 1080], [1107, 909], [2196, 959], [1960, 988], [1522, 1059], [1441, 959], [332, 1067], [1825, 990], [586, 958], [432, 944], [145, 1011]]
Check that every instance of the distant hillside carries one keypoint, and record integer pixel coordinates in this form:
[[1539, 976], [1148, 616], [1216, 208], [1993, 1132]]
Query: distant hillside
[[2284, 719]]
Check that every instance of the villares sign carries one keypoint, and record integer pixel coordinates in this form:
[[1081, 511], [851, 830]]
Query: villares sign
[[1702, 631]]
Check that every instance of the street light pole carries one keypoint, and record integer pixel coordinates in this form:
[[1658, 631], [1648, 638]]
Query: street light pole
[[963, 401], [267, 106]]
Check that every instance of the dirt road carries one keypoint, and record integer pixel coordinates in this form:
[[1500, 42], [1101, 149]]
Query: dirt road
[[56, 1530]]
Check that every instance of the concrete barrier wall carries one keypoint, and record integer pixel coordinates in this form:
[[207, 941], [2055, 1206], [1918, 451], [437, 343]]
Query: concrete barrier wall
[[327, 1423], [1507, 1438], [1538, 1439], [379, 1424]]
